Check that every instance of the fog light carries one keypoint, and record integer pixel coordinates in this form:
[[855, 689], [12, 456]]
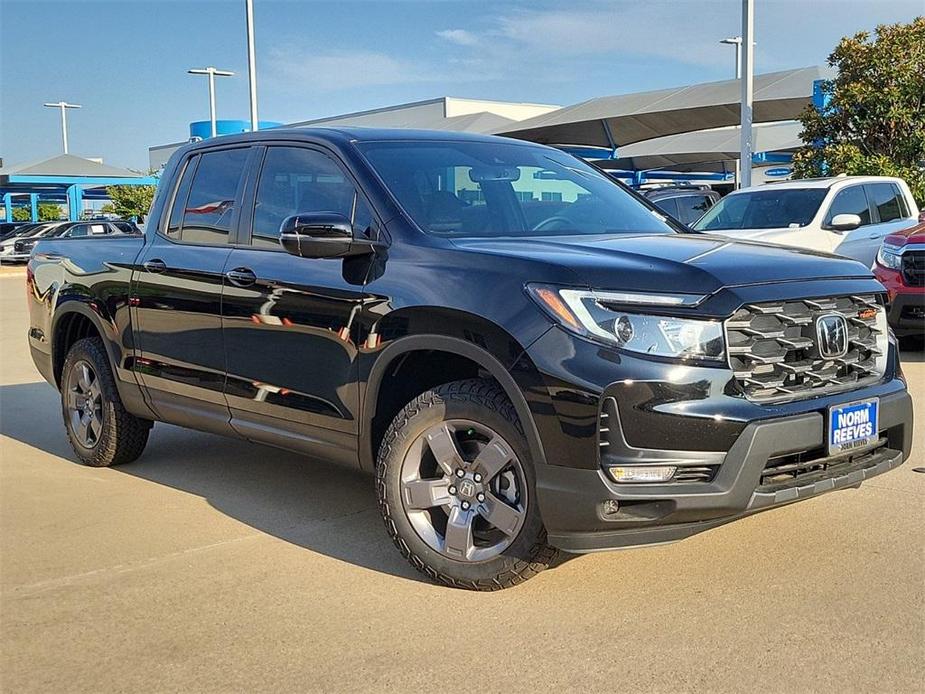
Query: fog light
[[642, 473]]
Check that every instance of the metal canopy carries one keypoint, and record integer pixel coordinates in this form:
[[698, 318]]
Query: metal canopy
[[63, 178], [66, 165], [704, 149], [616, 121]]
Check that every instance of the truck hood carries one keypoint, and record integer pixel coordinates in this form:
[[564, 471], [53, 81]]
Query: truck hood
[[689, 263], [767, 235]]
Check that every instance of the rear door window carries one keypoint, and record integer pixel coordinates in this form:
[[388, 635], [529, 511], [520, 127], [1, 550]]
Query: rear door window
[[851, 200], [210, 211], [888, 201]]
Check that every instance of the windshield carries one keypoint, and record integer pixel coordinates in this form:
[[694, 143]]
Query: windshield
[[31, 231], [767, 208], [487, 189]]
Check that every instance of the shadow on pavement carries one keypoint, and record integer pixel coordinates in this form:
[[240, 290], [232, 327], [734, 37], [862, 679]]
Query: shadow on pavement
[[312, 504]]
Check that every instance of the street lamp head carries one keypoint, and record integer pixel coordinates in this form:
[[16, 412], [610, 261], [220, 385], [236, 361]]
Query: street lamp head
[[210, 71], [733, 41], [63, 104]]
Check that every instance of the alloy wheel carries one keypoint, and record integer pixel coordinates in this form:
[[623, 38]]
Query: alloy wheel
[[85, 404], [464, 490]]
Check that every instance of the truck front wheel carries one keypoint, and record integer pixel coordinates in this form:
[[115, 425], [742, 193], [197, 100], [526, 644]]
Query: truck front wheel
[[99, 429], [457, 489]]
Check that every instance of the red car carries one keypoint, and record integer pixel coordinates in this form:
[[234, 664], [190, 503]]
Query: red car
[[900, 267]]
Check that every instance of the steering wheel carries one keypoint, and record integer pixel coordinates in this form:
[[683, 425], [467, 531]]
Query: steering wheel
[[552, 221]]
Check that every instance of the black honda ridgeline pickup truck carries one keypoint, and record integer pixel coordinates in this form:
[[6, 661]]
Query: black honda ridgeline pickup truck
[[524, 353]]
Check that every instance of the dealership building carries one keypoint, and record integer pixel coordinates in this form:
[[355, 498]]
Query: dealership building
[[683, 133]]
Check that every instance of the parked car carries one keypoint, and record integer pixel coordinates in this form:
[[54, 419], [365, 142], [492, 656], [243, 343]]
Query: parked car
[[25, 232], [686, 203], [22, 246], [7, 229], [125, 227], [900, 267], [598, 378], [845, 215]]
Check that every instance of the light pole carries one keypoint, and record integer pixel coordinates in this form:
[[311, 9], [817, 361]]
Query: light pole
[[737, 42], [748, 90], [211, 72], [251, 64], [64, 106]]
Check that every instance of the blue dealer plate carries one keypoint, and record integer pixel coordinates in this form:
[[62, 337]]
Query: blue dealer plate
[[853, 426]]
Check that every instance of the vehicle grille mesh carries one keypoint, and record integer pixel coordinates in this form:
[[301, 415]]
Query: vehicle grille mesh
[[801, 468], [774, 355], [913, 266]]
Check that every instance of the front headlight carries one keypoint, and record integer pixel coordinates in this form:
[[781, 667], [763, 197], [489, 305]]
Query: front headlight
[[888, 257], [598, 315]]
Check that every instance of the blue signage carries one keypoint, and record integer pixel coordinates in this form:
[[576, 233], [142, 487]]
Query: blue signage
[[778, 172]]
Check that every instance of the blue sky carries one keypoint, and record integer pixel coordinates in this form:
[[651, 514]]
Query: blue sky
[[125, 61]]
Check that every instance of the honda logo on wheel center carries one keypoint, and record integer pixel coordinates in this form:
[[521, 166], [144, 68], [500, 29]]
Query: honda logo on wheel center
[[467, 488]]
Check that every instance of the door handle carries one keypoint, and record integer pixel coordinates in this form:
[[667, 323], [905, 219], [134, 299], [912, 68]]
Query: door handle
[[154, 265], [241, 276]]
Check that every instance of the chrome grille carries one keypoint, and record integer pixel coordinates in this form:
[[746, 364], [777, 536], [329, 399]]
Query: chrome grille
[[913, 265], [774, 355]]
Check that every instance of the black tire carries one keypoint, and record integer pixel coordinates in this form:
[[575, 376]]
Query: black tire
[[472, 400], [912, 343], [121, 436]]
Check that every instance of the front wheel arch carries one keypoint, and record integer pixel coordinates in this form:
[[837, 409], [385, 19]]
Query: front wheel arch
[[452, 346]]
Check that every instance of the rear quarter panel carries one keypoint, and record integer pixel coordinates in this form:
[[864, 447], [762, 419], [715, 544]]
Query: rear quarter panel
[[88, 276]]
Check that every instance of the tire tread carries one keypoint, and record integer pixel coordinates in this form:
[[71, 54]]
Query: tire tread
[[124, 435], [487, 394]]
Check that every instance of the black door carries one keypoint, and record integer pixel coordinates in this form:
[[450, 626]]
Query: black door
[[177, 293], [289, 321]]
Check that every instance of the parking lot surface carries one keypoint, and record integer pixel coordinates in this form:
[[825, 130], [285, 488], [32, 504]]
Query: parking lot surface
[[215, 565]]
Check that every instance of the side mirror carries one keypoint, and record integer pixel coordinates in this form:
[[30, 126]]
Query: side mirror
[[320, 235], [845, 222]]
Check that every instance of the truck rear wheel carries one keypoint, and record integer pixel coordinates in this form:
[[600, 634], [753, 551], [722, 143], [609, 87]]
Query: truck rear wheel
[[457, 489], [99, 429]]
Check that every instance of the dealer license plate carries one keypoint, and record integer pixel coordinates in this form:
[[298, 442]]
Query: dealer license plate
[[853, 426]]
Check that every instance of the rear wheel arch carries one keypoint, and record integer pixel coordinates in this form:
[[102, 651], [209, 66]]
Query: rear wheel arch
[[72, 323], [472, 361]]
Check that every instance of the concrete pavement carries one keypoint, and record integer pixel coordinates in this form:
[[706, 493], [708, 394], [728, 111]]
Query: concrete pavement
[[212, 565]]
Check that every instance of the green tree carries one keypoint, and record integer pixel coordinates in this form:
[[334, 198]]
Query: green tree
[[129, 201], [874, 121], [48, 212]]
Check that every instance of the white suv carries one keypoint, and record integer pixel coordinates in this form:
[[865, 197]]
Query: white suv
[[846, 215]]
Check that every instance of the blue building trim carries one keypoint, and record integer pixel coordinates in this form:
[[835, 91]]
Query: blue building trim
[[86, 180]]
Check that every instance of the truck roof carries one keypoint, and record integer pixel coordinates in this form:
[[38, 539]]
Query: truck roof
[[345, 134]]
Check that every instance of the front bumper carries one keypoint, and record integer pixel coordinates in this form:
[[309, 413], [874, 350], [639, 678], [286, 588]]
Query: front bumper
[[578, 508]]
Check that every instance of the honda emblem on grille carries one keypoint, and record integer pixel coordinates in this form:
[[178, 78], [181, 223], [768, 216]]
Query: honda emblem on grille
[[832, 335]]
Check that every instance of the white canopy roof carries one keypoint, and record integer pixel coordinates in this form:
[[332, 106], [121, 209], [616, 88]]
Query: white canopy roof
[[622, 120], [702, 149]]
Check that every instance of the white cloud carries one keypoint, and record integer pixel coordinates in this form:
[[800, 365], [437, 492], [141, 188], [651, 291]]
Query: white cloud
[[460, 37], [299, 69]]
